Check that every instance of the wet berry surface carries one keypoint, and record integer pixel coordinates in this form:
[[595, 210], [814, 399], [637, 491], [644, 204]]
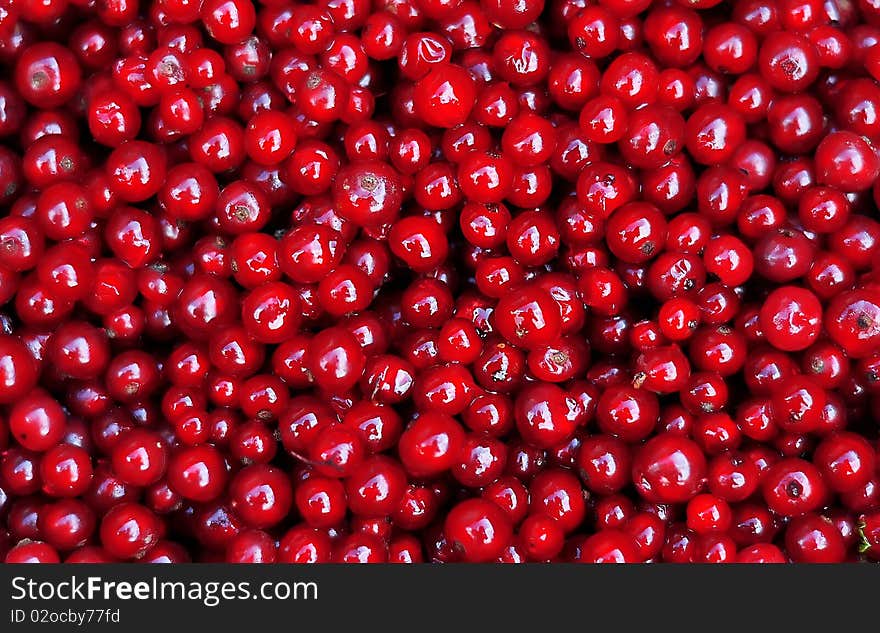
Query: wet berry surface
[[439, 281]]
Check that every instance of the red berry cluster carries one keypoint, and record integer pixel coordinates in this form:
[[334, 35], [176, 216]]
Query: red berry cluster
[[439, 280]]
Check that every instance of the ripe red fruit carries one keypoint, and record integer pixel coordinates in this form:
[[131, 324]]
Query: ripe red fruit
[[791, 318], [814, 539], [852, 320], [628, 413], [419, 242], [528, 316], [447, 280], [129, 531], [430, 445], [140, 457], [47, 75], [609, 546], [368, 193], [846, 460], [558, 494], [37, 421], [136, 170], [793, 486], [669, 469], [479, 529], [197, 473], [545, 415], [261, 495], [788, 61], [445, 96], [846, 161], [18, 370]]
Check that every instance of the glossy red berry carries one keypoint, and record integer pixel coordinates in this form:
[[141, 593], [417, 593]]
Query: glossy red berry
[[129, 531], [136, 170], [18, 370], [47, 75], [140, 457], [430, 445], [788, 61], [628, 413], [852, 320], [669, 469], [368, 193], [845, 460], [814, 539], [37, 420], [793, 486], [261, 495], [609, 546], [479, 529], [446, 280], [197, 472], [846, 161], [445, 96], [545, 415], [791, 318]]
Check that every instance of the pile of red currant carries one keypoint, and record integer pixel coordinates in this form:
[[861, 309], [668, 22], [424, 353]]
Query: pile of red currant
[[439, 280]]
